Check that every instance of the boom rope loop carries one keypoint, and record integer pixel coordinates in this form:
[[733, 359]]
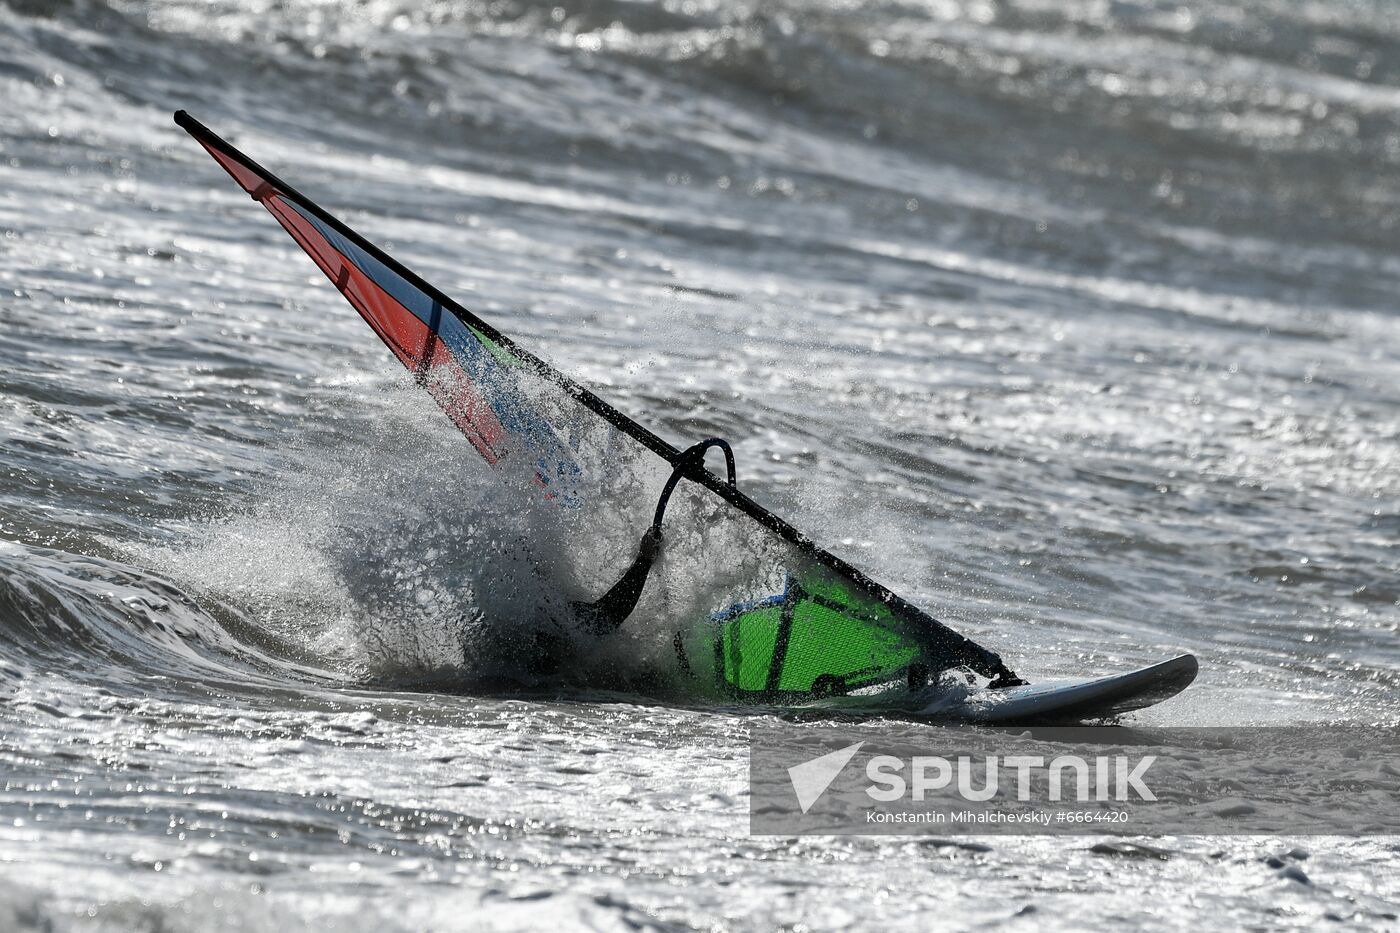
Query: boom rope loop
[[612, 608]]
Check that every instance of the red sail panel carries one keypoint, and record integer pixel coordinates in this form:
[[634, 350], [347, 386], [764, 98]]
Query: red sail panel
[[410, 339], [416, 346]]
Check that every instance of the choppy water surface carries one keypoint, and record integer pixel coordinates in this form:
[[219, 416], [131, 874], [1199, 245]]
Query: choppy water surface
[[1075, 322]]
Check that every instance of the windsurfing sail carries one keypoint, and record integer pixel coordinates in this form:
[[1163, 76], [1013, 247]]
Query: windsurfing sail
[[758, 609]]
